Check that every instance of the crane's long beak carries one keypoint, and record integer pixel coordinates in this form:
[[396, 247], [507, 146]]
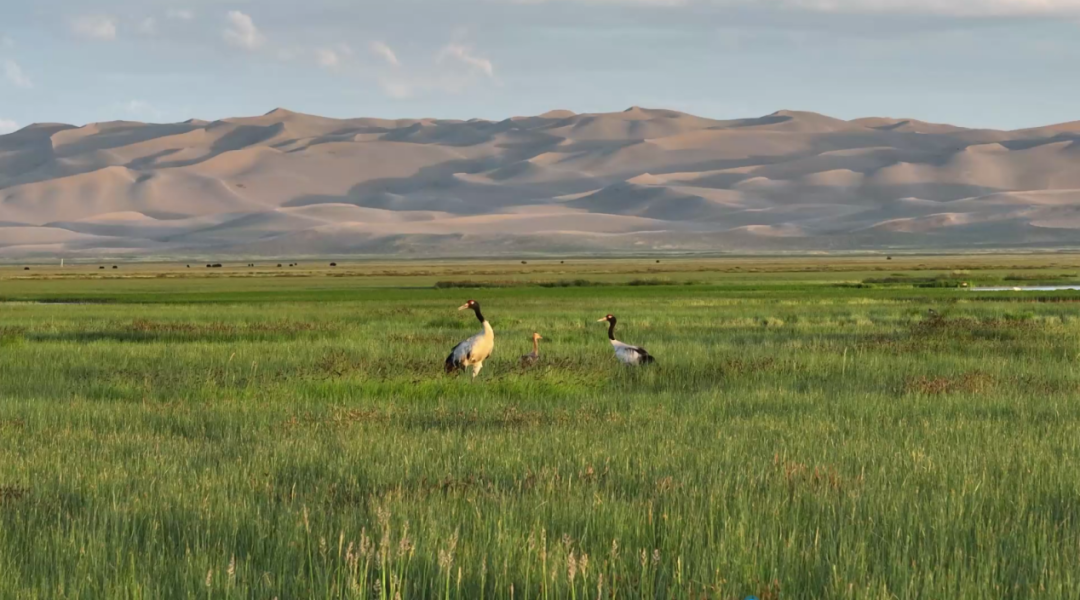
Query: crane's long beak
[[602, 320], [463, 306]]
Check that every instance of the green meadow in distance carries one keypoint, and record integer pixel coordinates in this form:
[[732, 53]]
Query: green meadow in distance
[[810, 430]]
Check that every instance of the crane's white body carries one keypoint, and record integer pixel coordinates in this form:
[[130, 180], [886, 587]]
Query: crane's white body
[[627, 354], [475, 350]]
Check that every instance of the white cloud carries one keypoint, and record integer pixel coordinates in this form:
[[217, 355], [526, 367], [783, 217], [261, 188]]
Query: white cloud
[[464, 55], [136, 106], [14, 73], [384, 51], [972, 8], [141, 109], [148, 26], [288, 53], [454, 68], [326, 57], [332, 57], [95, 27], [242, 31], [7, 126], [951, 7], [397, 89], [180, 14]]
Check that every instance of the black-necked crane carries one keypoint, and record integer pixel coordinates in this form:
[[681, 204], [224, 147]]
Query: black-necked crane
[[475, 350], [627, 354], [533, 357]]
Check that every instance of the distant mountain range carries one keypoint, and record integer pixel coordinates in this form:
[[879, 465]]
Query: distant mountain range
[[638, 181]]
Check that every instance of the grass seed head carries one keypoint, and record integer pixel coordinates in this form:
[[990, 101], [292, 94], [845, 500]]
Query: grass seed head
[[446, 556], [405, 544], [365, 543], [384, 547], [350, 558]]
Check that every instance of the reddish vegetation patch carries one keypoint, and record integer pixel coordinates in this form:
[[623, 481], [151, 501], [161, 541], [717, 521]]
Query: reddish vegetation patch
[[739, 366], [800, 476], [12, 493], [769, 590], [12, 424], [974, 382], [283, 327]]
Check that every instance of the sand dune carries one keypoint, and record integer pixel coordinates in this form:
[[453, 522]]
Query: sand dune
[[287, 183]]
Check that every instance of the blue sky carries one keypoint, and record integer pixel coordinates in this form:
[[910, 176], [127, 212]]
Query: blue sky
[[990, 63]]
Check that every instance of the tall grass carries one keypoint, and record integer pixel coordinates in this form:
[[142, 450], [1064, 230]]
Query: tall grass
[[793, 442]]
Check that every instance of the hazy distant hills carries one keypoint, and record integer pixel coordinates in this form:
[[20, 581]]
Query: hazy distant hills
[[290, 184]]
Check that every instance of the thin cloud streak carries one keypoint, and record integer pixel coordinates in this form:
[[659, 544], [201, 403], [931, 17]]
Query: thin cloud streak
[[464, 55], [180, 14], [141, 109], [95, 27], [327, 57], [148, 26], [14, 74], [963, 8], [384, 51]]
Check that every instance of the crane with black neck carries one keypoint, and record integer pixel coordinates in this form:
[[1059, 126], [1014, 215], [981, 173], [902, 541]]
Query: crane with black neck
[[627, 354], [475, 350]]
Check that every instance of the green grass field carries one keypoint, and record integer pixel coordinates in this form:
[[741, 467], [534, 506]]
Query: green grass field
[[809, 431]]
